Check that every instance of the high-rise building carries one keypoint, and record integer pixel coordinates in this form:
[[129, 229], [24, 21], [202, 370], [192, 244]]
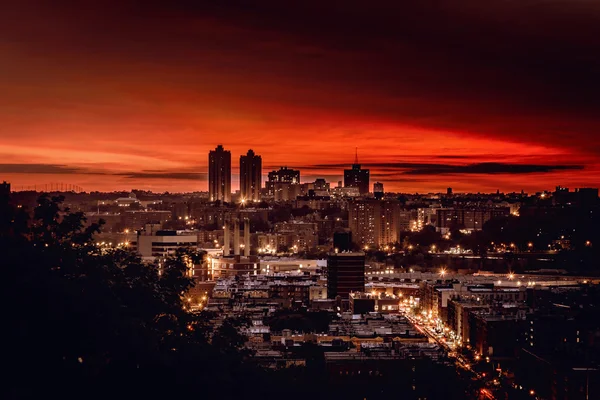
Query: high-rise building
[[284, 184], [250, 176], [357, 177], [345, 274], [378, 190], [219, 174], [375, 222]]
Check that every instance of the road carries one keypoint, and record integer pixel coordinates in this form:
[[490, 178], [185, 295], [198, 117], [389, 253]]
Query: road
[[460, 360]]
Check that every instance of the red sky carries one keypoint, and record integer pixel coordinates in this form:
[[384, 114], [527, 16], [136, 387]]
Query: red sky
[[475, 95]]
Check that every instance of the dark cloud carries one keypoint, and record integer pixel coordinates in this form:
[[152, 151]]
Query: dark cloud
[[386, 170], [39, 169], [68, 170], [489, 168], [154, 174]]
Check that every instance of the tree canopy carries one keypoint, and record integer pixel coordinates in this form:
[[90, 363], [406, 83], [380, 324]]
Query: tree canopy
[[84, 321]]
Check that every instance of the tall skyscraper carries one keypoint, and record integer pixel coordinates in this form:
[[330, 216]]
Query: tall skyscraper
[[219, 174], [250, 176], [345, 274], [357, 177]]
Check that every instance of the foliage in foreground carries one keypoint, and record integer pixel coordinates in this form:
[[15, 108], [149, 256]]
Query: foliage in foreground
[[84, 321]]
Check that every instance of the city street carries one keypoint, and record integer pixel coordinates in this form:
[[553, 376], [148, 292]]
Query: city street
[[429, 329]]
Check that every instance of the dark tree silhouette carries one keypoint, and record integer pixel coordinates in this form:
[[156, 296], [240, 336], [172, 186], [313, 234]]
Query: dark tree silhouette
[[84, 321]]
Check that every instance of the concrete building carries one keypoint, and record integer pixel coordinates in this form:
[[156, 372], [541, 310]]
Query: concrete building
[[222, 267], [127, 201], [435, 296], [219, 174], [321, 187], [285, 191], [250, 176], [283, 175], [375, 222], [341, 192], [378, 190], [426, 216], [363, 303], [345, 274], [496, 335], [468, 218], [304, 234], [153, 241], [357, 177]]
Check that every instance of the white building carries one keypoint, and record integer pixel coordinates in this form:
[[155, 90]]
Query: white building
[[153, 242]]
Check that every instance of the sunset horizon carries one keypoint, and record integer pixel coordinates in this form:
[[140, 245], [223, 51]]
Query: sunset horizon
[[123, 96]]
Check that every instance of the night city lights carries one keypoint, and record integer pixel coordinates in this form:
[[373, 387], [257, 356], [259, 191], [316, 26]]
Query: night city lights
[[300, 200]]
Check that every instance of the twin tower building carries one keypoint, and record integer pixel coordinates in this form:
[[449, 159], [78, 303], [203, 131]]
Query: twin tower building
[[219, 175]]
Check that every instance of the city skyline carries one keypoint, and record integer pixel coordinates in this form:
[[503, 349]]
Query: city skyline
[[127, 97], [199, 182], [302, 200]]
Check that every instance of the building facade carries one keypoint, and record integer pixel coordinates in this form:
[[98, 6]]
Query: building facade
[[219, 175], [250, 176], [345, 274], [283, 181], [378, 190], [375, 222], [468, 218], [357, 177], [154, 242]]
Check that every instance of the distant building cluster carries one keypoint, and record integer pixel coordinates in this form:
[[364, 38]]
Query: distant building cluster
[[282, 185]]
